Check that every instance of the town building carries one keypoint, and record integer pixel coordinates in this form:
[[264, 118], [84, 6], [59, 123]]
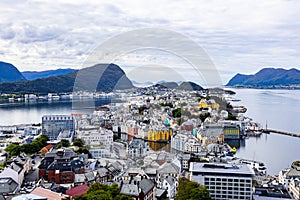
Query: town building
[[211, 134], [52, 125], [294, 188], [99, 140], [224, 181], [60, 166], [185, 142], [137, 148], [138, 189]]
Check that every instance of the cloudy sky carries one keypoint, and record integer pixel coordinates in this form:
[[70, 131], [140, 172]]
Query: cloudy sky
[[238, 36]]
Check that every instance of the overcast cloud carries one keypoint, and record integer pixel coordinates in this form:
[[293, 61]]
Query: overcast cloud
[[239, 36]]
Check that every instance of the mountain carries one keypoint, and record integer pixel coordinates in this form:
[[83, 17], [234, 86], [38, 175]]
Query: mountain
[[267, 77], [144, 84], [189, 86], [9, 73], [32, 75], [113, 77], [170, 85]]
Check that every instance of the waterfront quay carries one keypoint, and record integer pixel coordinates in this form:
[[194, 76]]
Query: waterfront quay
[[268, 131]]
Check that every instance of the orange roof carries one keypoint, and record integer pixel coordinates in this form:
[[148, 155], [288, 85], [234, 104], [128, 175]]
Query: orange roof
[[49, 146], [48, 194]]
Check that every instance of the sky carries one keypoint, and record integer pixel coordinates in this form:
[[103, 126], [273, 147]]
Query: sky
[[237, 36]]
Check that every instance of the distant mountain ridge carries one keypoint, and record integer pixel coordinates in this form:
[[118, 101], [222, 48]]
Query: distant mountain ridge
[[113, 77], [33, 75], [267, 77], [9, 73], [182, 86]]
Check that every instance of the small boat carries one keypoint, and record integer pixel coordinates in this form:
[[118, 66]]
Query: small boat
[[233, 150]]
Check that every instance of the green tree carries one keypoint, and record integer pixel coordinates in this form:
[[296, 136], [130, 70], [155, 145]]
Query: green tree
[[78, 142], [34, 147], [176, 112], [84, 150], [13, 149], [98, 191], [189, 190], [203, 117], [231, 117], [63, 143]]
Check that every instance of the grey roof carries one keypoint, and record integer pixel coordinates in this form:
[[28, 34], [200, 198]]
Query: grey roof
[[136, 143], [293, 173], [159, 192], [7, 185], [89, 176], [149, 170], [146, 185], [170, 180], [132, 170], [79, 178], [168, 168], [117, 165], [16, 167], [102, 172], [221, 168], [68, 153], [130, 189], [212, 131]]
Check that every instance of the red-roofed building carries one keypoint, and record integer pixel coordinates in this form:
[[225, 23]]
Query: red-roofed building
[[45, 149], [48, 194], [77, 191]]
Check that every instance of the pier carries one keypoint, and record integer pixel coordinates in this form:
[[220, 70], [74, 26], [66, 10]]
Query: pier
[[268, 131]]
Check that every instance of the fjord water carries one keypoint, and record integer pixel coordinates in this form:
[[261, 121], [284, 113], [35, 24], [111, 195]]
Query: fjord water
[[280, 109], [32, 112]]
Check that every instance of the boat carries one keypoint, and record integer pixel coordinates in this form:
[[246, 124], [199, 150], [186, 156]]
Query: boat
[[239, 109], [233, 150]]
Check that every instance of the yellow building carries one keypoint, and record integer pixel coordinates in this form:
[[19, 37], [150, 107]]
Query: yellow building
[[208, 104], [160, 135]]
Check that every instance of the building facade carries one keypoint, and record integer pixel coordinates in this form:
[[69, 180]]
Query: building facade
[[52, 125], [224, 181]]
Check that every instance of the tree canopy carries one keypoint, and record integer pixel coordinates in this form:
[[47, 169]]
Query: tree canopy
[[99, 191], [78, 142], [189, 190], [35, 146], [63, 143]]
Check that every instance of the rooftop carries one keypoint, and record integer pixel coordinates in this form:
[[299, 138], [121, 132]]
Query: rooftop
[[48, 194], [77, 191], [221, 168]]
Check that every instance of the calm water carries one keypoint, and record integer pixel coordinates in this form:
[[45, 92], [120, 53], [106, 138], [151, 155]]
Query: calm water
[[32, 112], [279, 108]]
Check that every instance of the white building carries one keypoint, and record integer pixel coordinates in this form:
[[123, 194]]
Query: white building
[[169, 184], [294, 188], [11, 129], [224, 181], [66, 135], [286, 175], [100, 141], [137, 148], [185, 142], [97, 137]]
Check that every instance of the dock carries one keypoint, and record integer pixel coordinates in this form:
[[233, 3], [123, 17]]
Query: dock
[[268, 131]]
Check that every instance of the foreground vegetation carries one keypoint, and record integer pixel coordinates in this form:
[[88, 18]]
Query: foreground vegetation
[[189, 190], [35, 146], [99, 191]]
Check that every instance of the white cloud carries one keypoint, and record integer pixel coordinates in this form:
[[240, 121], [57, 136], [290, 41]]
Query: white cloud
[[239, 36]]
